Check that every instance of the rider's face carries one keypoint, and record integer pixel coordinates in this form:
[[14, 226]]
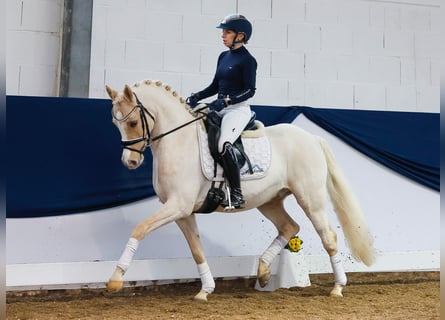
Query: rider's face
[[228, 37]]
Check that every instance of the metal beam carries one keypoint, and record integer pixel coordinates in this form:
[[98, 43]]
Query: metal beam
[[76, 48]]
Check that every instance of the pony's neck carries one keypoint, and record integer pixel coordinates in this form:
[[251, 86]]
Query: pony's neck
[[168, 109]]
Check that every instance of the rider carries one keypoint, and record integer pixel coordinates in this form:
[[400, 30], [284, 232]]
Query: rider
[[234, 82]]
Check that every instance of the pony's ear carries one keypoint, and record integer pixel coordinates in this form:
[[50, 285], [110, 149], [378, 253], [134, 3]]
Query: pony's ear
[[128, 93], [111, 92]]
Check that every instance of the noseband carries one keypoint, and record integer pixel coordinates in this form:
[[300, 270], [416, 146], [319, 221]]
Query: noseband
[[146, 136]]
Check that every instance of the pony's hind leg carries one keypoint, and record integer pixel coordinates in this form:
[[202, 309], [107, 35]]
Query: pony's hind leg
[[315, 208], [189, 228], [286, 226]]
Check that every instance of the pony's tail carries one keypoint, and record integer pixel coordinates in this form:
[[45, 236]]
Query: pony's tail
[[348, 211]]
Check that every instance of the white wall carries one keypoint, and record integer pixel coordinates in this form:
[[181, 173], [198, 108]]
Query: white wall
[[352, 54], [361, 54], [33, 47]]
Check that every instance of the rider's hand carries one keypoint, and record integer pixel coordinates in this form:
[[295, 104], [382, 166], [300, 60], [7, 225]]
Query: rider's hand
[[217, 104], [193, 100]]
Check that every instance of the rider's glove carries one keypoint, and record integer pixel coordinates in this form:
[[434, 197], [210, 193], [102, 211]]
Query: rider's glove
[[218, 104], [193, 100]]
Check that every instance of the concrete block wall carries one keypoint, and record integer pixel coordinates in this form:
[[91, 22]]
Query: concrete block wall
[[352, 54], [33, 47], [380, 55]]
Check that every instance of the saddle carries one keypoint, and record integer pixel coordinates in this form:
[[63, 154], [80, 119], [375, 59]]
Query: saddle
[[216, 195]]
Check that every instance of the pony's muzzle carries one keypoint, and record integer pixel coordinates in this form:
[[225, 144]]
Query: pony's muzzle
[[131, 164], [132, 160]]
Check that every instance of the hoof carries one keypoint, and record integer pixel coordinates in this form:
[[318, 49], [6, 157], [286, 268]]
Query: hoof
[[263, 274], [201, 296], [337, 291], [114, 285]]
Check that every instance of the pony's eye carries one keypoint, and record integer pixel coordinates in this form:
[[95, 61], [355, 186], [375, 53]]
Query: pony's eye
[[133, 124]]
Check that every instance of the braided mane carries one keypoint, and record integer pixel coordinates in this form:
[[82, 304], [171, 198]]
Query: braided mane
[[167, 88]]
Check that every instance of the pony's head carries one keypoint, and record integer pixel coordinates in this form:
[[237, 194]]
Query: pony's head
[[129, 116], [136, 122]]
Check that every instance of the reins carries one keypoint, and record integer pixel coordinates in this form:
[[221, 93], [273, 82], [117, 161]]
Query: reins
[[146, 136], [181, 126]]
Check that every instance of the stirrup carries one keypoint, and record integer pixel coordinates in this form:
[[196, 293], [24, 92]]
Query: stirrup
[[232, 205], [232, 201]]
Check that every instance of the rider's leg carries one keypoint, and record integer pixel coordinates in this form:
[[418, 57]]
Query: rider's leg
[[234, 120]]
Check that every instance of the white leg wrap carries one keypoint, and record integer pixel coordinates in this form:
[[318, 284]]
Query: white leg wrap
[[339, 271], [127, 255], [274, 249], [208, 284]]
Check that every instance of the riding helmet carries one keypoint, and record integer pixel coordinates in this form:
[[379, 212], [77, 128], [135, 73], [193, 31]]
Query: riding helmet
[[237, 23]]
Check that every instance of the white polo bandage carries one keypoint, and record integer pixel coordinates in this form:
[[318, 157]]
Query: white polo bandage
[[127, 255], [339, 271], [208, 284], [274, 249]]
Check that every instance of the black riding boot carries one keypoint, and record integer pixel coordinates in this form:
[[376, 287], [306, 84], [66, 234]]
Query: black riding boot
[[232, 174]]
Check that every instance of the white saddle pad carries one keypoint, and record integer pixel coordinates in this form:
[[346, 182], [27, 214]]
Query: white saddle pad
[[257, 149]]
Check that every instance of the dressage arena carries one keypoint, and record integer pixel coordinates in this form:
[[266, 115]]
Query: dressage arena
[[368, 296], [362, 75]]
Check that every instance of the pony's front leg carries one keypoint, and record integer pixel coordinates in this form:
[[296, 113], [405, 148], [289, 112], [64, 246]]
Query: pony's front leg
[[116, 281], [190, 230], [167, 213]]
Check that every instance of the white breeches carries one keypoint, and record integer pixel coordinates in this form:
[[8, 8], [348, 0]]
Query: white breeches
[[235, 119]]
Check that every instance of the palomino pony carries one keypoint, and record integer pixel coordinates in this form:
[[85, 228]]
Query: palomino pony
[[302, 165]]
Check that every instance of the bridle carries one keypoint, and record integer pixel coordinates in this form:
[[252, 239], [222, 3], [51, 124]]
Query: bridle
[[146, 135]]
